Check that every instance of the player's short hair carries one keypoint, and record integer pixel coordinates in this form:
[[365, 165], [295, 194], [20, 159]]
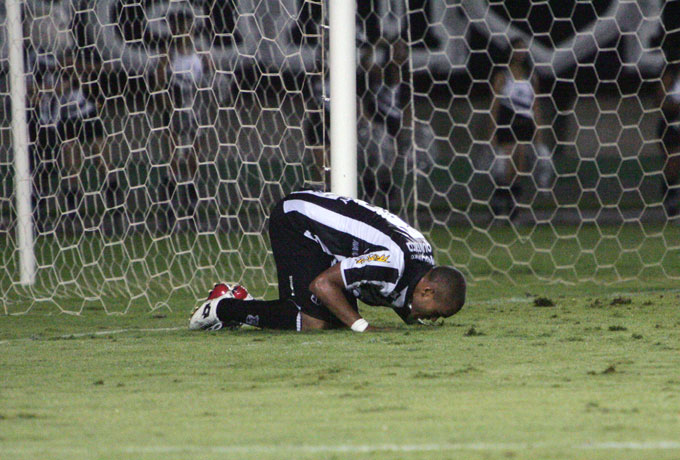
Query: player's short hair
[[449, 287]]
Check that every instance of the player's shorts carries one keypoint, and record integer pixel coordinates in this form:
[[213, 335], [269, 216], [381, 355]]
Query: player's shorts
[[299, 260], [513, 127]]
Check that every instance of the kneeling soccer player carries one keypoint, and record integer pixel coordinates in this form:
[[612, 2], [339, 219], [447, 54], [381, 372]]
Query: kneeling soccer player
[[330, 251]]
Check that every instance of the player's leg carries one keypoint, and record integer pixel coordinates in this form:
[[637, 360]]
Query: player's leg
[[298, 261], [228, 306], [281, 313], [268, 314], [71, 159]]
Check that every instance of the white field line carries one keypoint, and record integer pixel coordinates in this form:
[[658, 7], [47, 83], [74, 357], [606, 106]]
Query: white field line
[[362, 448], [121, 331], [632, 445], [98, 333]]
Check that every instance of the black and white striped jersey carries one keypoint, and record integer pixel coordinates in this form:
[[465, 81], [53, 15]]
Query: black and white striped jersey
[[382, 258]]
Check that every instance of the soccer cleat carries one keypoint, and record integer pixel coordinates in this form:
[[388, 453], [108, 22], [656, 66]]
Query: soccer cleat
[[241, 293], [236, 292], [219, 290], [205, 315]]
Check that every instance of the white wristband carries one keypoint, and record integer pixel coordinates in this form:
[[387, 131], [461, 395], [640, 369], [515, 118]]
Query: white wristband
[[359, 325]]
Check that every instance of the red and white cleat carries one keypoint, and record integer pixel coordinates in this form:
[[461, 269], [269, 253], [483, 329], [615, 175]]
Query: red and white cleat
[[219, 290], [241, 293], [205, 315]]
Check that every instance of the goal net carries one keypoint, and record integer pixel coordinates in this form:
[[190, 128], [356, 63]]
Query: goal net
[[528, 140], [549, 133]]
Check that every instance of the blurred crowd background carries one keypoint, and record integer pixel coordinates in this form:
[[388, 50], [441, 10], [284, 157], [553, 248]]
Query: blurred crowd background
[[159, 116]]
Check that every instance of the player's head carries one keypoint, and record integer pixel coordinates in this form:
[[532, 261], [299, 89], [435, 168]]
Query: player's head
[[439, 294]]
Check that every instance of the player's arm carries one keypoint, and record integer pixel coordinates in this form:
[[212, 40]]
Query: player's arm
[[377, 270], [328, 287]]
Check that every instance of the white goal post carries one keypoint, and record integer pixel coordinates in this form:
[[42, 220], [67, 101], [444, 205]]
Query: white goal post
[[22, 175], [342, 70], [530, 141]]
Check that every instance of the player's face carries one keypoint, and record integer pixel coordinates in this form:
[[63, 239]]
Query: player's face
[[424, 307]]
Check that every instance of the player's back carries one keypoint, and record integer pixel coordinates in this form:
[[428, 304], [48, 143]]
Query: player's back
[[349, 227]]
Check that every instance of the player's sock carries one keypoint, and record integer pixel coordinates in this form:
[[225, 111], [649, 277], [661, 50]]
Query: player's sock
[[269, 314]]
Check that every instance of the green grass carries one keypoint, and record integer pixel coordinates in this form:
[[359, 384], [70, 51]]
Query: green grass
[[593, 377]]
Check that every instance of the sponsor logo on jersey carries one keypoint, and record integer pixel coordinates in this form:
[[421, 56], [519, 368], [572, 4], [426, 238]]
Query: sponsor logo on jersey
[[373, 258], [418, 247], [423, 257]]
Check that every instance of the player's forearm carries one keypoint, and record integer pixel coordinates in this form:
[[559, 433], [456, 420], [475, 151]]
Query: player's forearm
[[332, 296]]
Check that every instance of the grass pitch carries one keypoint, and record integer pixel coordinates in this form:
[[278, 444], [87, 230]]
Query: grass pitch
[[594, 376]]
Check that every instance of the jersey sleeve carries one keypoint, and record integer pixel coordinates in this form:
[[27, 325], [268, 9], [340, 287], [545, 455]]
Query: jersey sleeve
[[380, 269]]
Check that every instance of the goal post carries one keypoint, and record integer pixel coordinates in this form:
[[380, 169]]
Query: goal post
[[530, 141], [342, 70], [22, 175]]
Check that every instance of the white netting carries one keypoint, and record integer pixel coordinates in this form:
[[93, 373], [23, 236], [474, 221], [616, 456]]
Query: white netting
[[161, 134], [163, 131], [539, 139]]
